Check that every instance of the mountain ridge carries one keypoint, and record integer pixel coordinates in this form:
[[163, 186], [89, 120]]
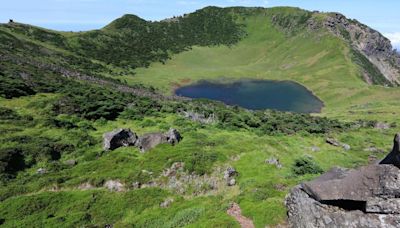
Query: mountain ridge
[[373, 52]]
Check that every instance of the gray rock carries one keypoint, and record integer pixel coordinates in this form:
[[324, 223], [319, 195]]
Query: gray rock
[[86, 186], [136, 185], [232, 182], [394, 156], [315, 149], [173, 136], [41, 171], [229, 172], [274, 161], [356, 185], [306, 212], [346, 146], [149, 141], [336, 143], [119, 138], [114, 185], [382, 126], [333, 142], [383, 206], [71, 162], [365, 197], [167, 203], [229, 175], [366, 42]]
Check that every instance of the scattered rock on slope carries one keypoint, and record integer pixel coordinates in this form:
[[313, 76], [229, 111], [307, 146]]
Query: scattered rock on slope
[[114, 185], [229, 176], [274, 161], [118, 138], [336, 143], [365, 197], [125, 137], [149, 141]]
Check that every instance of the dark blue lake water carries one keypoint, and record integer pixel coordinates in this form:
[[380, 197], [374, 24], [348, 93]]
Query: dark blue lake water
[[256, 95]]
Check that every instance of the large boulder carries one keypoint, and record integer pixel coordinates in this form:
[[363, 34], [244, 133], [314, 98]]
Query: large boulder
[[355, 185], [365, 197], [394, 156], [119, 138], [173, 136], [306, 212], [125, 137], [149, 141]]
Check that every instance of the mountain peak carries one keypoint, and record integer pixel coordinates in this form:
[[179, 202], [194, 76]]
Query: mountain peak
[[125, 22]]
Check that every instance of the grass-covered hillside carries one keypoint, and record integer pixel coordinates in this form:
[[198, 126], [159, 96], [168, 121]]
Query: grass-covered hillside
[[60, 92]]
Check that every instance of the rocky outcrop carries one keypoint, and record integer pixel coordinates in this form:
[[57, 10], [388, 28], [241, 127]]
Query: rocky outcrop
[[274, 161], [125, 137], [119, 138], [306, 212], [229, 176], [114, 186], [394, 156], [365, 197], [173, 136], [149, 141], [373, 46]]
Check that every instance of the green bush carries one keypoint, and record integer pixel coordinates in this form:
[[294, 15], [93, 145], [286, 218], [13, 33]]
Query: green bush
[[26, 151], [306, 165]]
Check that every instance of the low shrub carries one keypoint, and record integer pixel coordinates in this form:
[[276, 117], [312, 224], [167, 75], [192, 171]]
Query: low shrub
[[306, 165]]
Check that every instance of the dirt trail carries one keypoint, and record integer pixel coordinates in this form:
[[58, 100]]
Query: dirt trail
[[236, 212]]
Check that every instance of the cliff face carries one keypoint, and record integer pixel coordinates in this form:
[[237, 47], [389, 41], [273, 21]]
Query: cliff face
[[368, 46]]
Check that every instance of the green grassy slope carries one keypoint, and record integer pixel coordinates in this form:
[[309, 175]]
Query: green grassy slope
[[319, 61], [56, 119]]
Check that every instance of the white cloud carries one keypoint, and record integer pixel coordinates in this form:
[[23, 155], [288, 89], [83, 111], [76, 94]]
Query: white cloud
[[395, 38]]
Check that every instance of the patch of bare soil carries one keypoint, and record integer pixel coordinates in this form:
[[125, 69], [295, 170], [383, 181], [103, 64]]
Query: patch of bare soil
[[235, 211]]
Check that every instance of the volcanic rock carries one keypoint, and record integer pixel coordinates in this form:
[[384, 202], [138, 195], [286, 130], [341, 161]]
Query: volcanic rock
[[125, 137], [336, 143], [394, 156], [274, 161], [114, 185], [149, 141], [229, 176], [365, 197], [173, 136], [118, 138]]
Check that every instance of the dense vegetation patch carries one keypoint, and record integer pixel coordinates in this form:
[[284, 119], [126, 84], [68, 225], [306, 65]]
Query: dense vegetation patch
[[25, 151], [306, 165], [133, 42]]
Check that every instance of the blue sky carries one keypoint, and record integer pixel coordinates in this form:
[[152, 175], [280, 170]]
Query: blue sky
[[76, 15]]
